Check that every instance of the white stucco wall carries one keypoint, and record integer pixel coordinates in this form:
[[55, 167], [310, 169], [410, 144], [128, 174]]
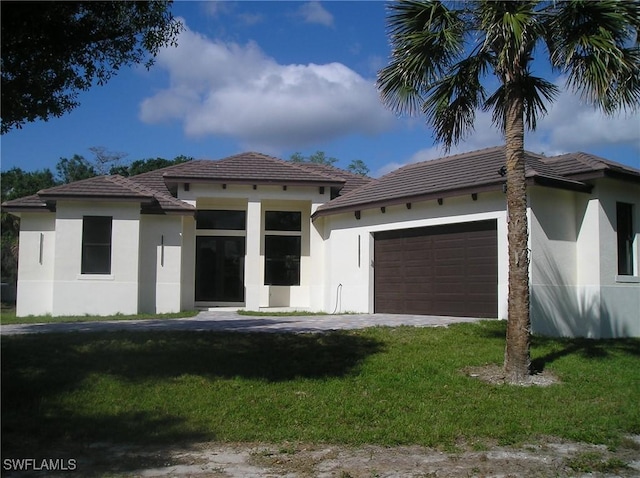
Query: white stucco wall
[[96, 294], [557, 304], [160, 263], [575, 289], [35, 264], [188, 261], [349, 275], [619, 295], [308, 295]]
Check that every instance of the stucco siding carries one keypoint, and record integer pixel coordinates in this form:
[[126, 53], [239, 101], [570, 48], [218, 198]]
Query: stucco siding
[[556, 302], [349, 248], [575, 288], [36, 264], [255, 201], [188, 263], [619, 295], [97, 294], [160, 264]]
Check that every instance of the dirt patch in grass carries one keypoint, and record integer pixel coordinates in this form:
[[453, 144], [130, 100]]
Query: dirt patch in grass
[[495, 375], [242, 460]]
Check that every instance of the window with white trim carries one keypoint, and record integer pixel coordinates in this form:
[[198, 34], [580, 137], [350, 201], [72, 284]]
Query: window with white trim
[[626, 234], [96, 244]]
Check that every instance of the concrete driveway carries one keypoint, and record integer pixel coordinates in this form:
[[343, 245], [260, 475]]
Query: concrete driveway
[[234, 322]]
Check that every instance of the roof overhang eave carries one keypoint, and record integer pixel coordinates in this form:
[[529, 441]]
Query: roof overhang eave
[[409, 199], [96, 197], [251, 182], [561, 183]]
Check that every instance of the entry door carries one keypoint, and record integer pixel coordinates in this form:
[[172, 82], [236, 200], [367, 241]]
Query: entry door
[[220, 269]]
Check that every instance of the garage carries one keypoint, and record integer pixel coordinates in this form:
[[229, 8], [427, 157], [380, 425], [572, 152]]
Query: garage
[[442, 270]]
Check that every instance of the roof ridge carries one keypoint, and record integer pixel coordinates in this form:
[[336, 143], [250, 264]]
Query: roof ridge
[[300, 167], [449, 157], [147, 190], [605, 161], [575, 156], [250, 166], [337, 170]]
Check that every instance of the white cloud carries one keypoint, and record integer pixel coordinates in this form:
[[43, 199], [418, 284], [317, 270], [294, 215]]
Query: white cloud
[[484, 136], [215, 8], [570, 126], [314, 12], [237, 91]]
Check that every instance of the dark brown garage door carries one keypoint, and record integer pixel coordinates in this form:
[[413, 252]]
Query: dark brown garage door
[[443, 270]]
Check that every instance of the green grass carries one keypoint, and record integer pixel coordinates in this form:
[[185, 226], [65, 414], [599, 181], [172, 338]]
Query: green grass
[[8, 317], [383, 386]]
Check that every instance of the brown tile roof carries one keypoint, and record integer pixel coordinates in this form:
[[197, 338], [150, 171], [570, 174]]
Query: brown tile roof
[[464, 173], [352, 181], [585, 166], [97, 187], [248, 168], [102, 188], [26, 203]]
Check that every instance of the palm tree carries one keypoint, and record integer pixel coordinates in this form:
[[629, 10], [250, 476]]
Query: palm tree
[[442, 51]]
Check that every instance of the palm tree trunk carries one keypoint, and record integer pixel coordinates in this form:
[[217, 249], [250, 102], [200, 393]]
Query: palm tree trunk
[[517, 359]]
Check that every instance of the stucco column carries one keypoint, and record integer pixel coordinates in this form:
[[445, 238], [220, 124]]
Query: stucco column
[[253, 270]]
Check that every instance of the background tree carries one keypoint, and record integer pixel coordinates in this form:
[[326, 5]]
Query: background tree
[[53, 50], [74, 169], [357, 166], [441, 53], [16, 183], [105, 160], [319, 157], [145, 165]]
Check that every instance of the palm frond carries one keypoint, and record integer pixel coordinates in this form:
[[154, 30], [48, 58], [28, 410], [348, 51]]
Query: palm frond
[[453, 100], [426, 38], [511, 30], [532, 89], [596, 45]]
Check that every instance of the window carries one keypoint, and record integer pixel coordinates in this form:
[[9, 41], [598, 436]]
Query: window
[[96, 245], [282, 221], [624, 220], [282, 247], [221, 219]]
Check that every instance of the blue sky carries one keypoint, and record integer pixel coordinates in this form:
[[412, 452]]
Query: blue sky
[[279, 78]]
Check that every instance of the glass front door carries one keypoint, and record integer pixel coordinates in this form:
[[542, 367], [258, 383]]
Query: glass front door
[[220, 269]]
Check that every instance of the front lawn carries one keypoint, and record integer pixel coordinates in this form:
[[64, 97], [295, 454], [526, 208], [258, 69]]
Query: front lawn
[[8, 316], [380, 386]]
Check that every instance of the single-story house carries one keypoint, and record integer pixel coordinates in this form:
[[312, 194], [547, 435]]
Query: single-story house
[[253, 231]]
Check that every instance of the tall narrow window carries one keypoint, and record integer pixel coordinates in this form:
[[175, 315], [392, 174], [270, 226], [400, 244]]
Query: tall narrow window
[[624, 222], [282, 247], [96, 245]]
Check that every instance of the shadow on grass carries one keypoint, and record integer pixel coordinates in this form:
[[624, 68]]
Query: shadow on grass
[[586, 348], [40, 371], [592, 349]]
